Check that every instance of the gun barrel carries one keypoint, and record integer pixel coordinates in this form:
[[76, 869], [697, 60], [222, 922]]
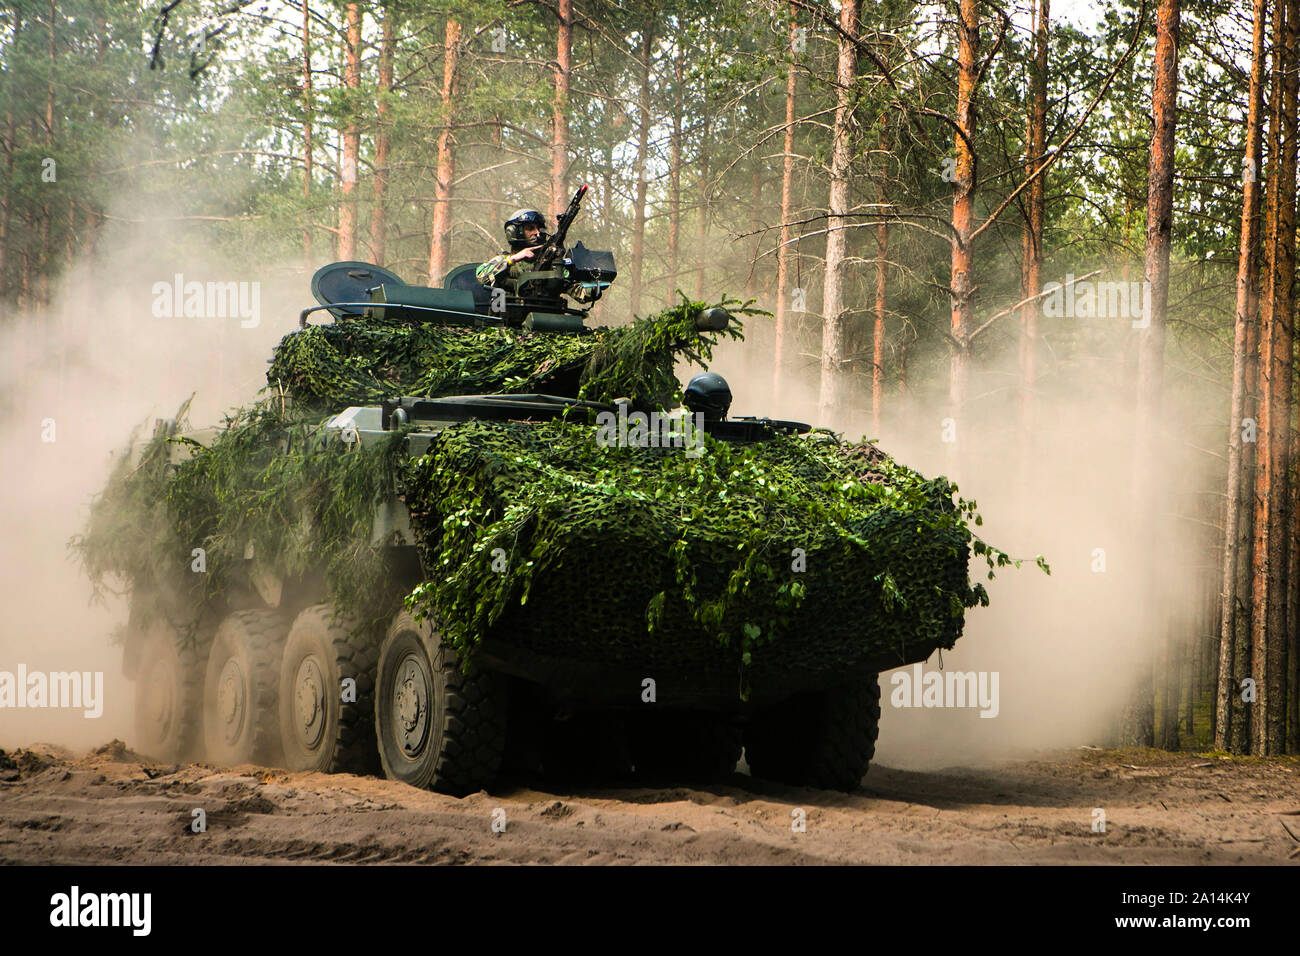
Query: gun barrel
[[551, 251]]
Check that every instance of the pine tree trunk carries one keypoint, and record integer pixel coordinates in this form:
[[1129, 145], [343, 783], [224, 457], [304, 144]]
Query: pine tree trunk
[[1268, 663], [1171, 665], [306, 130], [5, 208], [1239, 720], [642, 169], [1293, 647], [1261, 580], [607, 193], [831, 399], [499, 212], [47, 213], [702, 223], [1138, 719], [961, 286], [755, 224], [70, 237], [25, 274], [1277, 663], [1265, 520], [560, 124], [787, 211], [445, 172], [347, 247], [49, 84], [1285, 700], [6, 211], [1236, 544], [675, 182], [1196, 647], [878, 326], [379, 214]]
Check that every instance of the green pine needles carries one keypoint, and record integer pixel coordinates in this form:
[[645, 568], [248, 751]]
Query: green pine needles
[[354, 362]]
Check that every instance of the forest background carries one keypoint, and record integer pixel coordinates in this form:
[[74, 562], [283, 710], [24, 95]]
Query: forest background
[[1048, 250]]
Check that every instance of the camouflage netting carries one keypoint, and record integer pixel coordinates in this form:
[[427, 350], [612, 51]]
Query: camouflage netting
[[359, 362], [748, 559], [269, 481], [625, 555], [269, 494]]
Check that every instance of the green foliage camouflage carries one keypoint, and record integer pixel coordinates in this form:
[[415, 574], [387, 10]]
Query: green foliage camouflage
[[636, 556], [363, 362], [269, 480], [647, 557], [130, 530], [273, 492]]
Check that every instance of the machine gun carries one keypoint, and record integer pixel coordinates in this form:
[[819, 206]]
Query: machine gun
[[554, 247], [552, 273]]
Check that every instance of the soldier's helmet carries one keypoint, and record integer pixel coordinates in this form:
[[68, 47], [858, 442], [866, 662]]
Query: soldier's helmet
[[515, 229], [709, 393]]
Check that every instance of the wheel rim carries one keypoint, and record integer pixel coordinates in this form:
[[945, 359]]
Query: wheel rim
[[411, 696], [231, 701], [309, 703]]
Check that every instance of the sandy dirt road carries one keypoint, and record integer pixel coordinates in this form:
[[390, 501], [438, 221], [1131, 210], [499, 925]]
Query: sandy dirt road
[[112, 806]]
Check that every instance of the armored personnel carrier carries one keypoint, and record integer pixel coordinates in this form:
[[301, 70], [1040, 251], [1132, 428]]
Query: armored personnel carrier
[[460, 532]]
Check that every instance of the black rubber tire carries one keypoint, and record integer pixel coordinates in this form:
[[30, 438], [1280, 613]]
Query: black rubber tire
[[823, 740], [685, 747], [436, 727], [169, 695], [319, 730], [241, 689]]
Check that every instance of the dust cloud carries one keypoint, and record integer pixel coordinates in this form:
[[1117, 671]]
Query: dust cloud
[[95, 366], [1067, 647]]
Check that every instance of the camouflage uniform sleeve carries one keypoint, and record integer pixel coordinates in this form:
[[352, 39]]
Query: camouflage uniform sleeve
[[487, 273]]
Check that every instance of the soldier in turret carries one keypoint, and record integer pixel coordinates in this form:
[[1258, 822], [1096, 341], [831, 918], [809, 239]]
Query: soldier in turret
[[526, 234]]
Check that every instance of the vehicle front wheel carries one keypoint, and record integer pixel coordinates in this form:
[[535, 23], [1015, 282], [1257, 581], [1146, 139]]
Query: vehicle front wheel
[[437, 727]]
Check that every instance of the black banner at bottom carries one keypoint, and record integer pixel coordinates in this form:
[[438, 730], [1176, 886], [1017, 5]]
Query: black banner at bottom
[[339, 905]]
